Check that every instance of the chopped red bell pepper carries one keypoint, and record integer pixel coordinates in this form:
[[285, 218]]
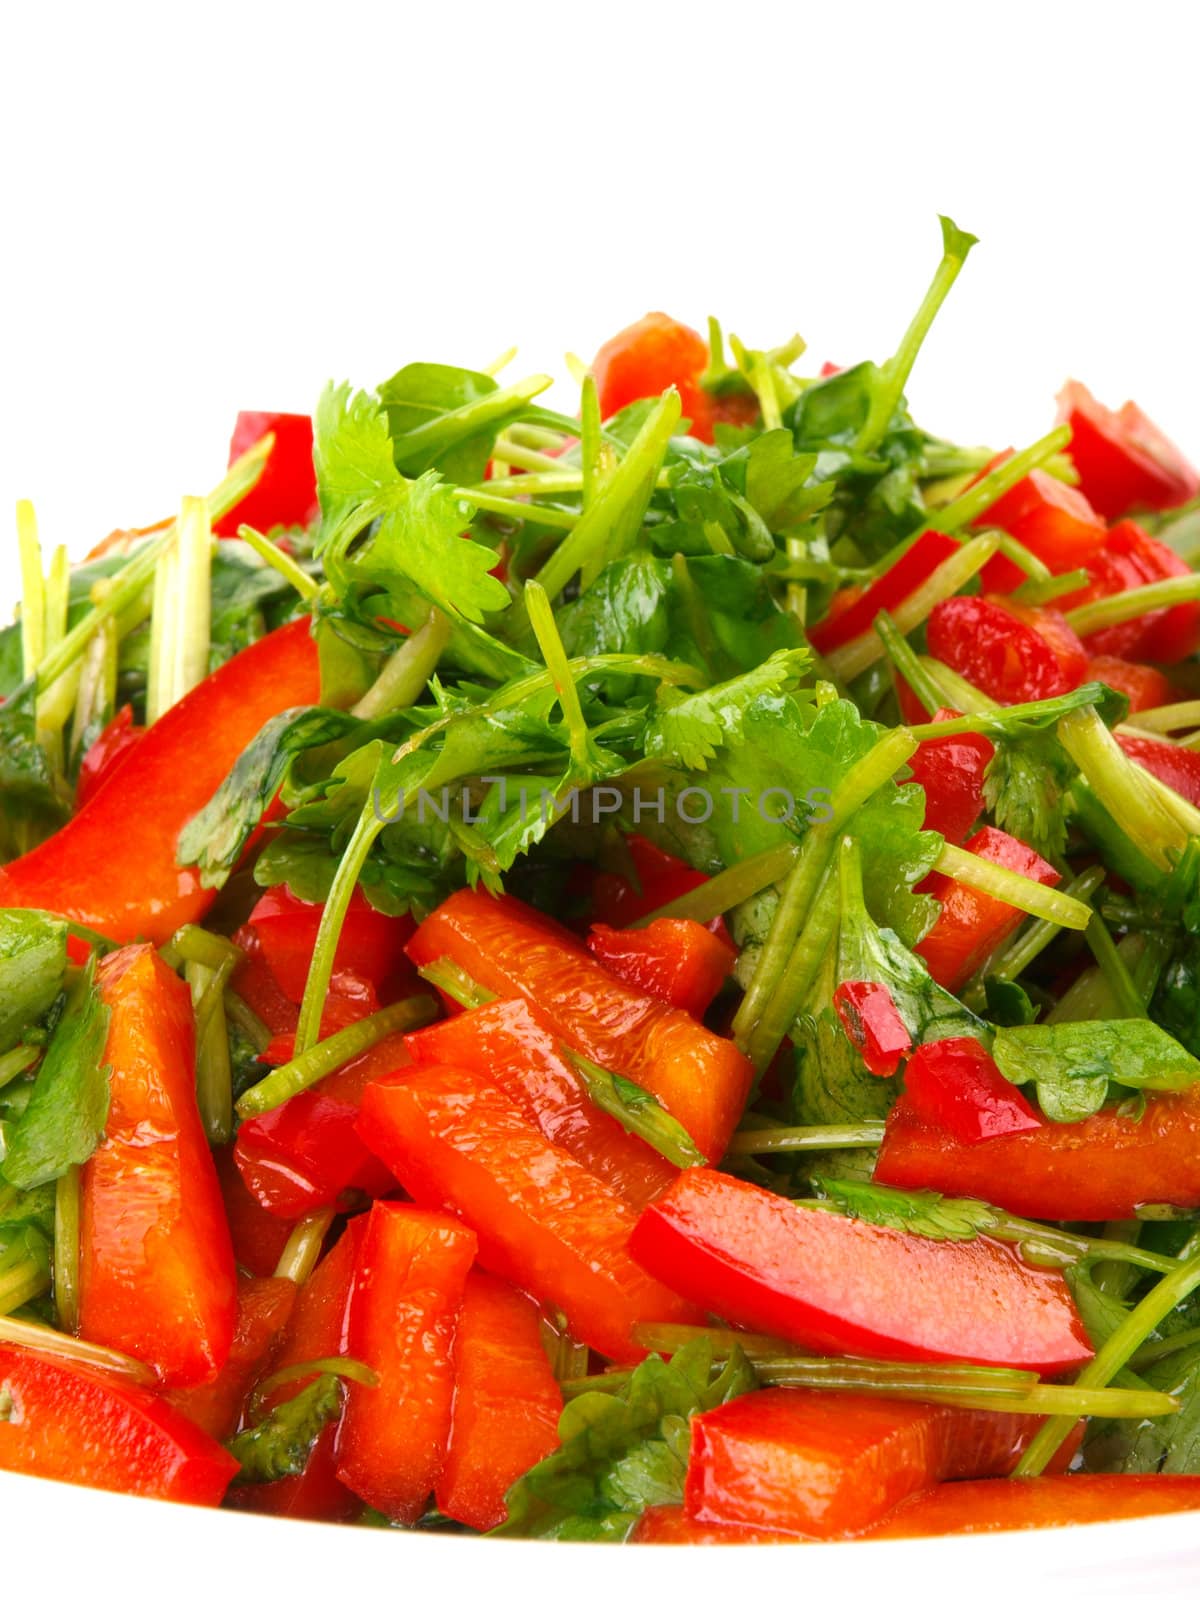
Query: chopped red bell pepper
[[506, 1402], [1012, 652], [649, 356], [905, 575], [408, 1287], [264, 1306], [951, 772], [256, 984], [873, 1025], [1171, 763], [505, 1043], [702, 1080], [92, 1428], [157, 1276], [286, 493], [1129, 559], [1097, 1170], [106, 755], [660, 878], [1146, 687], [1053, 521], [998, 1505], [258, 1237], [543, 1221], [1125, 463], [955, 1084], [371, 945], [835, 1284], [677, 961], [826, 1466], [972, 924], [112, 867], [672, 1525]]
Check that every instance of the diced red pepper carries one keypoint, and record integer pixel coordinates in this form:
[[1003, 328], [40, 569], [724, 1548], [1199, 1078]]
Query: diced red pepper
[[873, 1025], [306, 1154], [543, 1221], [286, 493], [1012, 652], [258, 1237], [1129, 559], [157, 1275], [371, 945], [1125, 463], [999, 1505], [660, 878], [824, 1466], [1052, 520], [905, 575], [839, 1285], [677, 961], [505, 1043], [972, 924], [702, 1080], [506, 1402], [951, 772], [1173, 764], [264, 1306], [107, 754], [408, 1286], [955, 1084], [1097, 1170], [112, 867], [672, 1525], [91, 1428], [256, 984], [649, 356], [1146, 687]]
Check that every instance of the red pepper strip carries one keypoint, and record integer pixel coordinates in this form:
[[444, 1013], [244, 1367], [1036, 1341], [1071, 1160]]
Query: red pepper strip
[[702, 1080], [107, 755], [264, 1306], [1004, 1504], [873, 1025], [157, 1275], [1173, 764], [1097, 1170], [825, 1466], [1052, 520], [286, 493], [113, 866], [371, 946], [505, 1043], [902, 579], [543, 1221], [258, 1237], [1012, 652], [318, 1330], [951, 772], [660, 878], [408, 1287], [1146, 687], [103, 1432], [672, 1525], [1125, 463], [1129, 559], [506, 1402], [956, 1085], [838, 1285], [649, 356], [675, 960], [972, 924], [254, 981]]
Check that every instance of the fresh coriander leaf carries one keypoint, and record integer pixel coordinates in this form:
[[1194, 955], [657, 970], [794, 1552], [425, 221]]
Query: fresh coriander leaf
[[638, 1111], [831, 1083], [1074, 1064], [352, 452], [448, 417], [1008, 1004], [33, 963], [1168, 1444], [690, 729], [280, 1445], [917, 1211]]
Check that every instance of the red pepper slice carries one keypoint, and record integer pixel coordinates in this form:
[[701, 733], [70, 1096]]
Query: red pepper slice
[[906, 574], [408, 1286], [1146, 687], [1006, 1504], [286, 493], [506, 1402], [1173, 764], [955, 1084], [1052, 520], [972, 924], [1097, 1170], [649, 356], [1012, 652], [824, 1466], [371, 945], [505, 1043], [1125, 463], [258, 1237], [873, 1025], [661, 878], [702, 1080], [107, 755], [157, 1276], [103, 1432], [264, 1306], [838, 1285], [951, 772], [677, 961], [543, 1221], [1129, 559], [672, 1525], [112, 867]]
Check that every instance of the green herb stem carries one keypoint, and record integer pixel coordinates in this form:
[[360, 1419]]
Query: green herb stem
[[1013, 888], [305, 585], [407, 673], [519, 510], [303, 1249], [1130, 603], [1127, 793], [730, 888], [16, 1061], [245, 1017], [787, 999], [214, 1076], [1166, 719], [21, 1283], [980, 497], [1041, 591], [833, 1136], [66, 1250], [49, 1341]]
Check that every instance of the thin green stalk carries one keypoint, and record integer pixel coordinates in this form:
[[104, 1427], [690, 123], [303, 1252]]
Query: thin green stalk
[[788, 997], [305, 585], [1151, 1354], [66, 1250], [592, 448], [248, 1020], [729, 888], [1130, 603], [834, 1136], [1001, 883], [194, 943], [1126, 996], [33, 590], [22, 1283], [1011, 959], [981, 496], [568, 1358], [955, 690], [499, 406], [214, 1076], [16, 1061], [80, 1352], [520, 510], [906, 664], [406, 674], [55, 705], [1041, 591], [1166, 719], [96, 692], [1122, 788], [303, 1248], [541, 620]]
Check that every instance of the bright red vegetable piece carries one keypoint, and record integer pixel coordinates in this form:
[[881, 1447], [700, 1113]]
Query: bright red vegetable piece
[[905, 575], [1052, 520], [951, 772], [286, 493], [873, 1025], [107, 755], [1173, 764], [675, 960], [371, 945], [1012, 652], [649, 356], [1125, 463], [258, 1237], [1129, 559], [1146, 687], [839, 1285], [264, 1306], [955, 1084], [998, 1505], [658, 879]]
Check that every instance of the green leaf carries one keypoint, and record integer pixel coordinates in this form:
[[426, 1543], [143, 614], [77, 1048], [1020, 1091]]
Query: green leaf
[[638, 1111], [916, 1211], [1168, 1444], [1074, 1064], [352, 451], [280, 1445], [620, 1453], [449, 417], [690, 729], [66, 1113], [33, 963]]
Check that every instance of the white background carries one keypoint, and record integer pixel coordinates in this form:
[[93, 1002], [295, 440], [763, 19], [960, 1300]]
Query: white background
[[215, 206]]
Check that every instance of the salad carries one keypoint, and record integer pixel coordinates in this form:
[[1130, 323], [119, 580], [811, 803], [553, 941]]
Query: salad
[[630, 976]]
